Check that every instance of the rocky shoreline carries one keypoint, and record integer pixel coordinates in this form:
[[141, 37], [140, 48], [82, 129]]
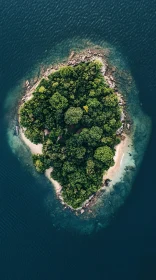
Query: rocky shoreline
[[108, 72], [74, 59]]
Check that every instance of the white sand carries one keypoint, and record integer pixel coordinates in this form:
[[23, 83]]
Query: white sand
[[35, 149], [56, 185], [122, 159]]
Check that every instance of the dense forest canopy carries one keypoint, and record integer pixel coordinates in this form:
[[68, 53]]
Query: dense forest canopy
[[75, 115]]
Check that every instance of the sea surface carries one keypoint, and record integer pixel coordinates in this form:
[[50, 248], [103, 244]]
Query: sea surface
[[37, 239]]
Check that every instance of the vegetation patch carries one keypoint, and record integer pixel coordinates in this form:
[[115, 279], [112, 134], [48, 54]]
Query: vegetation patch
[[75, 115]]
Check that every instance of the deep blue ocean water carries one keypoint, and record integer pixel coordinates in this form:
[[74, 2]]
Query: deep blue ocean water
[[32, 245]]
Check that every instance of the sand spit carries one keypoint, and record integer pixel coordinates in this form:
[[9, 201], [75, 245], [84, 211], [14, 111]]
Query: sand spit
[[56, 185], [35, 149]]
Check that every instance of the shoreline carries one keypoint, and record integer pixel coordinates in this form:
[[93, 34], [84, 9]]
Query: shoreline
[[56, 184], [35, 149], [120, 153], [121, 148]]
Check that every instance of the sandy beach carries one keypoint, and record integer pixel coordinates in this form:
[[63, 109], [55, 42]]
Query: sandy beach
[[56, 185], [35, 149], [122, 159], [118, 158]]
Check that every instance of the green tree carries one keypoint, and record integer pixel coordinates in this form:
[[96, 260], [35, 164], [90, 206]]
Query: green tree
[[90, 167], [110, 100], [104, 154], [67, 71], [68, 167], [93, 103], [41, 163], [35, 135], [78, 152], [73, 115], [58, 101], [95, 133], [42, 89]]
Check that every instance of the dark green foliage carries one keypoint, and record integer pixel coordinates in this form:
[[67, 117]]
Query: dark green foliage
[[73, 115], [35, 135], [58, 102], [41, 163], [81, 114], [105, 155]]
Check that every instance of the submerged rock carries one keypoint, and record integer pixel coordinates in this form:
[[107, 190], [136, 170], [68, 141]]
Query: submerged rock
[[107, 182]]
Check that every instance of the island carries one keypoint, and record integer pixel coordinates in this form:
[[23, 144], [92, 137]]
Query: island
[[75, 117]]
